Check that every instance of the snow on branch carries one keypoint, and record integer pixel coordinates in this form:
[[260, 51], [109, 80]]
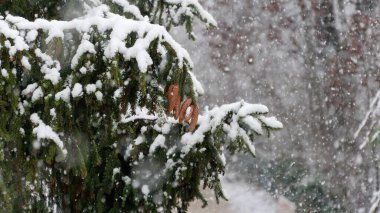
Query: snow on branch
[[375, 202], [232, 117], [43, 131], [237, 120], [374, 109], [103, 20], [132, 9], [186, 8]]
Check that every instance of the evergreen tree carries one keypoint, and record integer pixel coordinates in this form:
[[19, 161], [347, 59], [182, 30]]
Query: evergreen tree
[[100, 113]]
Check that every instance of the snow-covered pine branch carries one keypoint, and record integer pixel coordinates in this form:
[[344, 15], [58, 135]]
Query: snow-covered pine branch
[[170, 13], [371, 119], [187, 7], [239, 122], [82, 108]]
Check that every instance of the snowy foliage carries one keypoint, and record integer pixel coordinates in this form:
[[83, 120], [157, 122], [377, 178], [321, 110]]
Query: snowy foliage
[[88, 97], [372, 120]]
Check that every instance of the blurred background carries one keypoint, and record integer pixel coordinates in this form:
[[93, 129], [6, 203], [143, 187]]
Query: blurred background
[[315, 64]]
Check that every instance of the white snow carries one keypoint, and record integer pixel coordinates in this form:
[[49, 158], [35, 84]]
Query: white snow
[[43, 131], [102, 19], [139, 140], [374, 202], [271, 122], [50, 67], [77, 90], [90, 88], [252, 108], [31, 36], [197, 86], [63, 95], [375, 101], [158, 142], [373, 109], [84, 47], [242, 198], [99, 95], [127, 180], [130, 9], [214, 118], [28, 91], [53, 114], [4, 73], [141, 114], [21, 108], [250, 114], [145, 190], [99, 84], [25, 63], [115, 171], [185, 4], [254, 124], [117, 93], [37, 94], [165, 129], [83, 70]]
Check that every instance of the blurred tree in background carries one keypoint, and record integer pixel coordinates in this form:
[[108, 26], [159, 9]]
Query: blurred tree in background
[[318, 60]]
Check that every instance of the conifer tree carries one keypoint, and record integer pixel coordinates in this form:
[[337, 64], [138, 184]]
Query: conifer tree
[[99, 113]]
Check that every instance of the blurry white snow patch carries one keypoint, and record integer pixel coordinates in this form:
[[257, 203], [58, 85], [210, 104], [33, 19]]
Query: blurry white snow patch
[[243, 198]]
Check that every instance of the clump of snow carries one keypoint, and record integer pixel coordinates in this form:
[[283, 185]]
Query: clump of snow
[[99, 95], [127, 8], [50, 67], [140, 114], [77, 90], [252, 108], [31, 36], [158, 142], [43, 131], [165, 129], [63, 95], [186, 7], [53, 114], [127, 180], [254, 124], [145, 190], [99, 84], [83, 70], [37, 94], [25, 63], [84, 47], [28, 91], [139, 140], [271, 122], [21, 108], [117, 93], [4, 73], [197, 86], [115, 171], [90, 88]]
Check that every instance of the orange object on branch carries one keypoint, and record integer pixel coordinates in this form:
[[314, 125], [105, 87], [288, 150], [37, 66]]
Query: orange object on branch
[[181, 111]]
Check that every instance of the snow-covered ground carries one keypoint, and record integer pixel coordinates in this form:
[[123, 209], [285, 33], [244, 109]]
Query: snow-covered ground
[[243, 198]]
